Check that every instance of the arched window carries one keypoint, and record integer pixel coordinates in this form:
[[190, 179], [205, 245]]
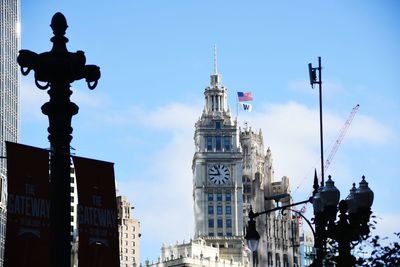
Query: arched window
[[270, 260], [277, 260], [285, 260]]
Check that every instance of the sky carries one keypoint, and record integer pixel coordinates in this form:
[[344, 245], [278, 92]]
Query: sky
[[156, 58]]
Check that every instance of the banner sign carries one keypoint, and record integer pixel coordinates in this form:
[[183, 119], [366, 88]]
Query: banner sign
[[28, 207], [97, 213]]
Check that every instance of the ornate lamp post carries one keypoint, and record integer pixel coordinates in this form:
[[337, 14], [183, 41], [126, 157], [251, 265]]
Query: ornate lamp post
[[252, 237], [352, 226], [56, 70]]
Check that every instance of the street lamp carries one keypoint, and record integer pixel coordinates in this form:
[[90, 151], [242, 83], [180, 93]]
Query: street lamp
[[352, 226], [57, 69], [252, 236]]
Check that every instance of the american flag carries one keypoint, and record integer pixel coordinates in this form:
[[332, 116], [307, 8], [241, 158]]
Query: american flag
[[244, 96]]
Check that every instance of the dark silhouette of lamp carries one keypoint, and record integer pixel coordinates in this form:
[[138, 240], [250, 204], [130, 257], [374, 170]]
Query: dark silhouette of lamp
[[57, 69]]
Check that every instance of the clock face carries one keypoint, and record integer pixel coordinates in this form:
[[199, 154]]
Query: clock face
[[218, 174]]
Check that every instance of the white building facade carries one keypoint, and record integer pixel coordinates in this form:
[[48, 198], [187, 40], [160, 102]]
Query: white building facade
[[195, 253], [217, 175], [129, 234], [279, 242]]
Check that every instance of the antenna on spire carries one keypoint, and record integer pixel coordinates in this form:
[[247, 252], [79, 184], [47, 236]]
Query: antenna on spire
[[215, 77], [215, 59]]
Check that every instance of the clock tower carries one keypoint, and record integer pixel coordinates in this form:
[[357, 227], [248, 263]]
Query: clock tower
[[217, 174]]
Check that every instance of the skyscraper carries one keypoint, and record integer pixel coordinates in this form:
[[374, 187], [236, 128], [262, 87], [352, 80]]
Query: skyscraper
[[9, 94], [231, 173], [129, 234], [217, 175]]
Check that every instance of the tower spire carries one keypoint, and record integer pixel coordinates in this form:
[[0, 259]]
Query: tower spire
[[215, 60], [215, 77]]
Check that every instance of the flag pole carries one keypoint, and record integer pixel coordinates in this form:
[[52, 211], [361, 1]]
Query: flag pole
[[237, 106]]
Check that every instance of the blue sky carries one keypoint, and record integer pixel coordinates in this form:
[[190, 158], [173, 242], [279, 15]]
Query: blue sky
[[156, 58]]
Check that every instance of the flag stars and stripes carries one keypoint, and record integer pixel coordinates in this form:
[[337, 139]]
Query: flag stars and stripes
[[245, 96]]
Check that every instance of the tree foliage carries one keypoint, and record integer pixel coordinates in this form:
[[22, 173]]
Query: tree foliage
[[388, 255]]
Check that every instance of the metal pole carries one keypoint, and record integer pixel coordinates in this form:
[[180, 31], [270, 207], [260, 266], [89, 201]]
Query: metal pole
[[60, 193], [56, 69], [320, 121]]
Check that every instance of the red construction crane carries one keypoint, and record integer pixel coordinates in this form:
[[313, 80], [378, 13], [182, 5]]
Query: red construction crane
[[335, 147], [341, 136]]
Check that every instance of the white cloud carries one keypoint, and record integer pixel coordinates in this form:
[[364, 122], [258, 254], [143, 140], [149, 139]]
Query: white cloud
[[163, 195], [365, 129], [88, 98], [292, 131], [387, 224], [32, 98], [174, 116]]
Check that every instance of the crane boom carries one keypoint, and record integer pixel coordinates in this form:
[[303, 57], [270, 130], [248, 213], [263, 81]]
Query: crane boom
[[335, 148], [341, 136]]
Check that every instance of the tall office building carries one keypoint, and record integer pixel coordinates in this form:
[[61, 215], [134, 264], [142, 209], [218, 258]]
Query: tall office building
[[217, 175], [232, 172], [9, 95], [129, 234]]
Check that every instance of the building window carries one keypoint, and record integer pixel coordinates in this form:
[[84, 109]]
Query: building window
[[219, 223], [219, 196], [218, 143], [246, 188], [210, 196], [210, 210], [228, 234], [228, 210], [217, 125], [227, 143], [209, 143], [211, 223], [228, 197], [228, 223], [210, 234], [219, 210], [219, 234]]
